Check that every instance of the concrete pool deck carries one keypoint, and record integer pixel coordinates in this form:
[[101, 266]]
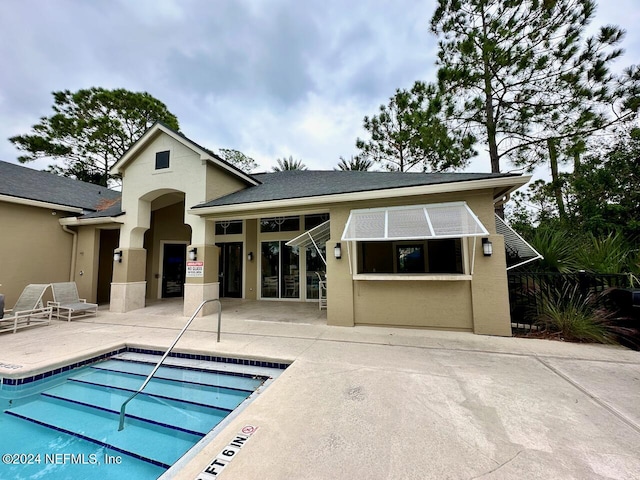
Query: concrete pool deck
[[387, 403]]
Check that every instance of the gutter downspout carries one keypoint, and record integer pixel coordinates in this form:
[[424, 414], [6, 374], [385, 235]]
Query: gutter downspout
[[74, 251]]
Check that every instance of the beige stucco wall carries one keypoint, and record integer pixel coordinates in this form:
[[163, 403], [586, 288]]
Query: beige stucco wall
[[33, 249], [434, 304], [478, 302], [189, 175]]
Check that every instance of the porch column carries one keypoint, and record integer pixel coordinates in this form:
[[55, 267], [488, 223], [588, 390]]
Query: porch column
[[202, 280], [489, 291], [129, 285], [340, 309]]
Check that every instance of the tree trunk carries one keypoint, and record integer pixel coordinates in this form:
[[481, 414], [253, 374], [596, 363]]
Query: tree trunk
[[490, 114], [555, 181]]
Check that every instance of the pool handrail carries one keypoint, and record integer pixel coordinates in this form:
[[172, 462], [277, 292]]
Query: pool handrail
[[166, 354]]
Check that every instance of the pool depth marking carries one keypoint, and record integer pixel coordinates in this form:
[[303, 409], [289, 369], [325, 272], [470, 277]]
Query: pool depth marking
[[10, 366], [227, 454]]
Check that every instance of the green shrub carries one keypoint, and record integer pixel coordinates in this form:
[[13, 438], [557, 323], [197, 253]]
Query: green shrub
[[564, 312]]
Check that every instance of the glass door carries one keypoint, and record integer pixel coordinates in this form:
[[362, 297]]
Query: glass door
[[230, 269], [270, 286], [280, 270], [315, 269], [174, 270]]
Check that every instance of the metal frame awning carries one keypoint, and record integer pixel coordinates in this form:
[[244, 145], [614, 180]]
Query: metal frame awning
[[316, 236], [413, 222], [516, 246]]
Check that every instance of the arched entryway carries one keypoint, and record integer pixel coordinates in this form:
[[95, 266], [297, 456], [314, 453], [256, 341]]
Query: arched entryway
[[166, 243]]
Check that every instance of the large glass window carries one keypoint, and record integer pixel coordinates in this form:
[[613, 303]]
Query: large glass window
[[314, 220], [228, 227], [280, 224], [280, 272], [426, 256]]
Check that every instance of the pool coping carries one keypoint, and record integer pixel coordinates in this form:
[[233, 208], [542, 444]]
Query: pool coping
[[15, 375], [177, 359]]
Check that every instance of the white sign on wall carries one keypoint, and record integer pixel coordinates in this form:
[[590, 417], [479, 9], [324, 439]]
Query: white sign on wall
[[195, 269]]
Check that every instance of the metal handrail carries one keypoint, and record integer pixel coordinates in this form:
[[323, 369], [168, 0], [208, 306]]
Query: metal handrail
[[166, 354]]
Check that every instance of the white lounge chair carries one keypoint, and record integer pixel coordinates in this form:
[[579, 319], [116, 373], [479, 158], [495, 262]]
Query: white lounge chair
[[28, 310], [66, 303]]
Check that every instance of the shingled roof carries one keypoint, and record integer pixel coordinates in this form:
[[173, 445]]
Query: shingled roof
[[29, 184], [291, 184]]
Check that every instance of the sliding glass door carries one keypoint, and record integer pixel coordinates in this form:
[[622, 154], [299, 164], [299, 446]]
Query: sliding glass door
[[280, 270]]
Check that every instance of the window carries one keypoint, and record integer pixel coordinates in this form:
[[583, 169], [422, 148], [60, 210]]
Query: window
[[410, 258], [162, 160], [228, 227], [424, 256], [280, 224], [280, 275], [314, 220]]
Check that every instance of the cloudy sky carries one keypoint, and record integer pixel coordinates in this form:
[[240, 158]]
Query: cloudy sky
[[271, 78]]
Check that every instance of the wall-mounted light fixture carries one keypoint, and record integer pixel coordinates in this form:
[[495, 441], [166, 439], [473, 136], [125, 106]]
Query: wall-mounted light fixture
[[193, 254], [487, 247], [117, 256], [337, 251], [250, 256]]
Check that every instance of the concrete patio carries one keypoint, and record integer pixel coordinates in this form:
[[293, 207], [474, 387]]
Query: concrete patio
[[384, 403]]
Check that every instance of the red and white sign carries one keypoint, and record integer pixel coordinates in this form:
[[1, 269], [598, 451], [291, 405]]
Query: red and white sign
[[195, 269]]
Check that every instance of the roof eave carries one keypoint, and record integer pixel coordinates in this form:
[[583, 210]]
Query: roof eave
[[500, 185], [78, 222], [157, 128], [40, 204]]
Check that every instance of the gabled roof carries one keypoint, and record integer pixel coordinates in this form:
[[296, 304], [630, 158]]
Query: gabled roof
[[297, 184], [204, 153], [25, 184]]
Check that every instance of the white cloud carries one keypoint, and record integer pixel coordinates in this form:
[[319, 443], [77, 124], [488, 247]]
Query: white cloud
[[271, 79]]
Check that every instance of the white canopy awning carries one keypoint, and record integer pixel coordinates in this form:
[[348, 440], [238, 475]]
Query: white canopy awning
[[413, 222], [316, 237], [519, 251]]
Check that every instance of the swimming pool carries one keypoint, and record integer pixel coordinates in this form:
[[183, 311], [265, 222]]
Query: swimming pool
[[66, 425]]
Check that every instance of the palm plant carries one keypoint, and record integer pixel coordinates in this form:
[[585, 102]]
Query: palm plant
[[558, 247], [356, 163], [610, 254], [288, 164]]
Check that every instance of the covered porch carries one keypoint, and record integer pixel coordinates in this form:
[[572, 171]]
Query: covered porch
[[302, 313]]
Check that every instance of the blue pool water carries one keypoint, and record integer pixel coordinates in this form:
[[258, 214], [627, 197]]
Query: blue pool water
[[66, 427]]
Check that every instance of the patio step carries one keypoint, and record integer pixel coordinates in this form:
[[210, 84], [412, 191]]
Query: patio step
[[101, 427], [189, 418], [198, 377], [203, 395]]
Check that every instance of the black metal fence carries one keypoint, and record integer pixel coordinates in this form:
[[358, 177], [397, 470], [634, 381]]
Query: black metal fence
[[527, 289]]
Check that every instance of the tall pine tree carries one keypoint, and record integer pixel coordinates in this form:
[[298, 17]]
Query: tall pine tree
[[520, 74]]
